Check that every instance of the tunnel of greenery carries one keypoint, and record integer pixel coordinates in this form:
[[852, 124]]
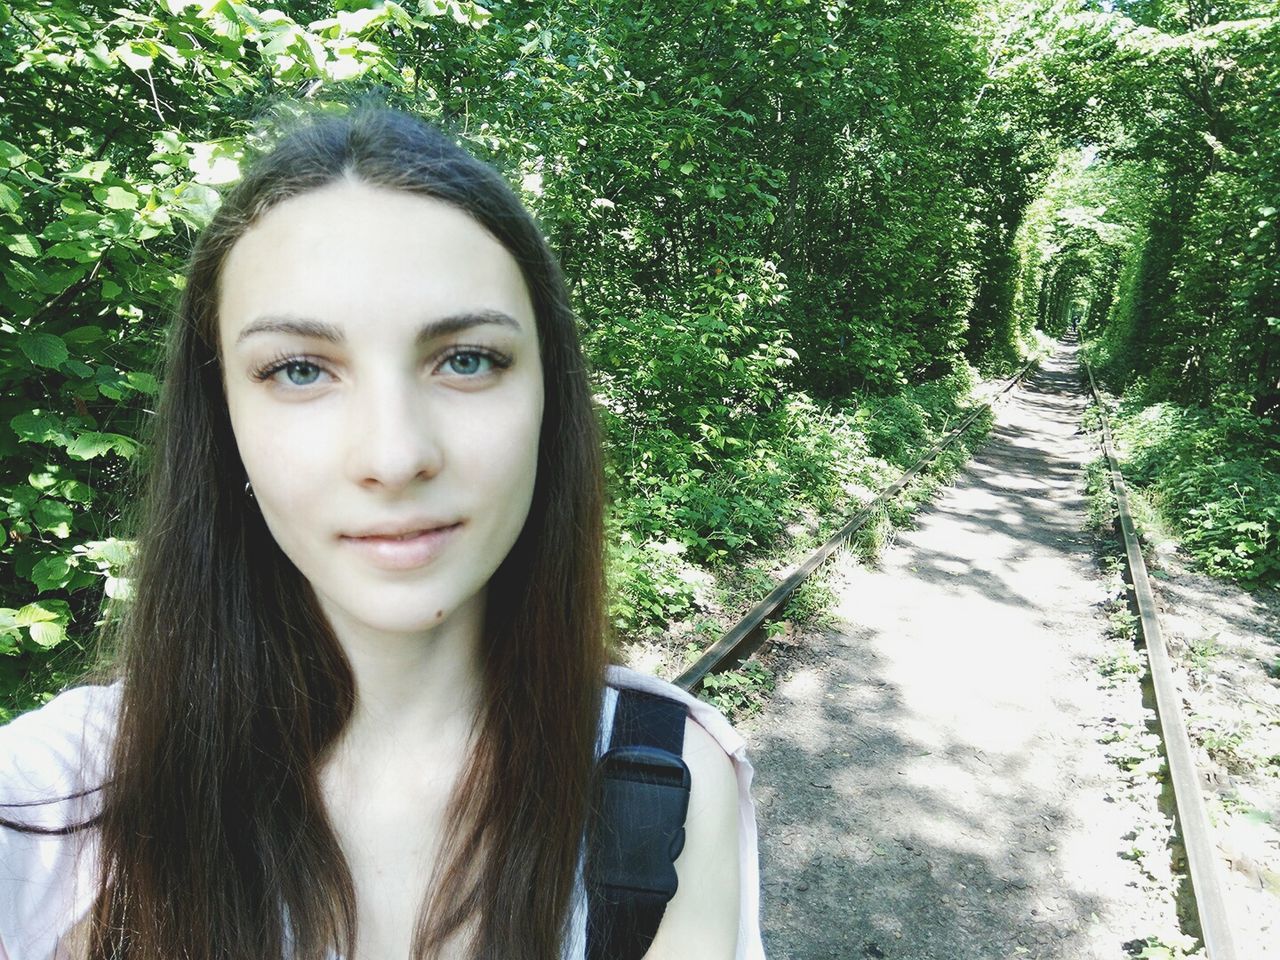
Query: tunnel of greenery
[[796, 234], [1155, 231]]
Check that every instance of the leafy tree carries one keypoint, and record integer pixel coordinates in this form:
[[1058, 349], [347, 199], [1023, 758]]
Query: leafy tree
[[789, 228]]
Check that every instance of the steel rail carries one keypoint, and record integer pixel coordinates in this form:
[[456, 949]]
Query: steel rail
[[1193, 822], [746, 636]]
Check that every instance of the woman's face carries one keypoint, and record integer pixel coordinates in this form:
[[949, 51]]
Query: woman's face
[[384, 384]]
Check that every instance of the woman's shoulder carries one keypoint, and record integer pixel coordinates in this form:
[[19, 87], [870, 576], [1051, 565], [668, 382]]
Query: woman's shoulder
[[57, 749], [707, 717], [719, 868], [714, 751], [52, 760]]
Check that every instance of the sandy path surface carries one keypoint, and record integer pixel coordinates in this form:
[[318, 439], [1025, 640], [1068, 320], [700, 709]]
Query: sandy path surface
[[933, 776]]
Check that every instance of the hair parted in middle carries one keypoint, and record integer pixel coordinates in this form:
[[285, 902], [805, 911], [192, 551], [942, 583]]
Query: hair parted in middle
[[215, 842]]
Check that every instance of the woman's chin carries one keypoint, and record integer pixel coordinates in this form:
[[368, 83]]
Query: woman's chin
[[401, 616]]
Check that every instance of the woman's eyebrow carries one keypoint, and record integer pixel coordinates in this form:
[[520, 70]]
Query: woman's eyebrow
[[320, 330]]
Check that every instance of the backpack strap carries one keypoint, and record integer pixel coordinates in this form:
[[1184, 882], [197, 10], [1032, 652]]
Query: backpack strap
[[644, 796]]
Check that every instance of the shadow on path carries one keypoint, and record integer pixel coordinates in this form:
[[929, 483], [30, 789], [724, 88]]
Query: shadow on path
[[929, 781]]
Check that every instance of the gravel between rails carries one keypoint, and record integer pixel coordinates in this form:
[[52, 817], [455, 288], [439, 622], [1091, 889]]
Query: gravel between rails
[[961, 769]]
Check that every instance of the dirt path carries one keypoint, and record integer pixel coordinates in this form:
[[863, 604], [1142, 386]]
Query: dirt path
[[957, 773]]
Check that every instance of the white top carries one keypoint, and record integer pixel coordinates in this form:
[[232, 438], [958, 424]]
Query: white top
[[48, 883]]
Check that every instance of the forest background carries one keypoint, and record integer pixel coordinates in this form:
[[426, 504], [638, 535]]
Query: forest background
[[796, 233]]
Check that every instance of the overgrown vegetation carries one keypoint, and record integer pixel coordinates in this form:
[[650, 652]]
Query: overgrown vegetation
[[1214, 474], [793, 232], [776, 221], [1156, 233], [739, 693]]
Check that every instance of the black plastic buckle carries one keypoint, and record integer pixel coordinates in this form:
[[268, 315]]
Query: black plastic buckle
[[645, 797]]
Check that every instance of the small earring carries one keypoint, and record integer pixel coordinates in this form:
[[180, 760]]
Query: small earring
[[248, 490]]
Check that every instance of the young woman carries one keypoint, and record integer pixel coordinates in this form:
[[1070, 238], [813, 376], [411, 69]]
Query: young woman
[[360, 692]]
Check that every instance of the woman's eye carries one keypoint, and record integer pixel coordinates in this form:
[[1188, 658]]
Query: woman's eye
[[300, 372], [471, 364], [468, 363]]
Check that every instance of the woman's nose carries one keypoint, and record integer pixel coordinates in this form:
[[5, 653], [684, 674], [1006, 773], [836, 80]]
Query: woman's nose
[[392, 438]]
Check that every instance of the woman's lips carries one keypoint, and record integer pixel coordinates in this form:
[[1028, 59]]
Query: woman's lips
[[403, 552]]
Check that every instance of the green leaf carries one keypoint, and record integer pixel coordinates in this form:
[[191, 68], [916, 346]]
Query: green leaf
[[108, 553], [137, 54], [118, 198], [37, 426], [23, 244], [43, 349], [214, 163], [52, 573], [77, 368], [76, 492], [42, 611], [196, 203], [94, 444], [47, 634], [42, 481], [89, 334], [21, 499], [99, 56], [11, 156], [118, 588], [93, 170], [142, 382], [76, 250], [53, 517]]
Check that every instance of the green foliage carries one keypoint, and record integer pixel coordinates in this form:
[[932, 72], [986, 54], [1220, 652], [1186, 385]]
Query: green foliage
[[785, 227], [1159, 238], [809, 604], [1079, 230], [648, 588], [1184, 92], [738, 693], [1202, 651], [1122, 663], [817, 461], [1214, 475], [1224, 742], [1155, 948]]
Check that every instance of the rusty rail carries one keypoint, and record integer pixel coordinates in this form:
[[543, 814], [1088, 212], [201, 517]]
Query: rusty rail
[[747, 635], [1193, 822]]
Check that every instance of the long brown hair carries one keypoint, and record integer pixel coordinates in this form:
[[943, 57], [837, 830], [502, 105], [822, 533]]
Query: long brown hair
[[214, 838]]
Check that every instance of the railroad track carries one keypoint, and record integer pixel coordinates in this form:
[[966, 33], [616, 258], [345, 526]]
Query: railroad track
[[747, 635], [1191, 819]]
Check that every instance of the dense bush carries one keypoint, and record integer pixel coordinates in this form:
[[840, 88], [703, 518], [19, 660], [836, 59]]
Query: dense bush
[[1215, 475], [775, 220], [789, 229], [820, 463], [1159, 236]]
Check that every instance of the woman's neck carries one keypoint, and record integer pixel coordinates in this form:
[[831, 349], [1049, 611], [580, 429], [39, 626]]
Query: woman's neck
[[413, 691]]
